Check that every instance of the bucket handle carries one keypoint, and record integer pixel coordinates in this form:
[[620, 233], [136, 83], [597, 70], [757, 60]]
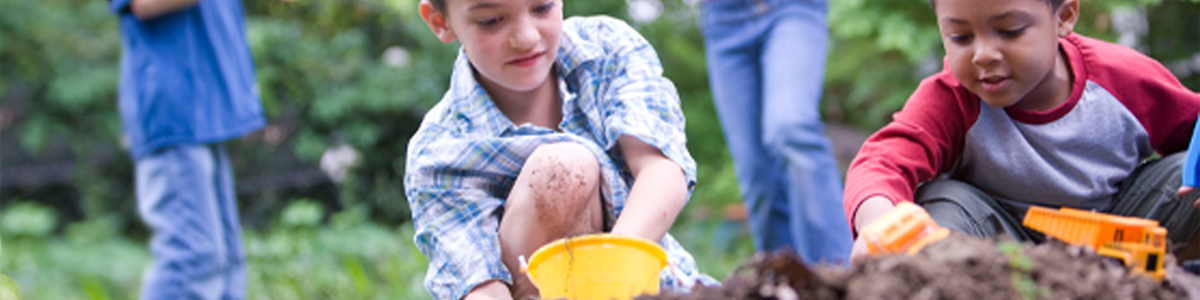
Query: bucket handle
[[525, 270]]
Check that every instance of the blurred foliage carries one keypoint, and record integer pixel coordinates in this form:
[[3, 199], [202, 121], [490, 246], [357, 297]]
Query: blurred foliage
[[350, 258], [27, 219], [361, 73], [347, 257], [58, 68]]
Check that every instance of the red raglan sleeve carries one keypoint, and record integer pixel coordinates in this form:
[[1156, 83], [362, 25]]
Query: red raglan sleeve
[[923, 140], [1165, 107]]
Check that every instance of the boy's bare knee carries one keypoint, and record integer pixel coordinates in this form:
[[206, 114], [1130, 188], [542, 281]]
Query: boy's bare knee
[[563, 177]]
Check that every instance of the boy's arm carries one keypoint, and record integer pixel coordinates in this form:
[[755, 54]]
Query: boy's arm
[[149, 9], [659, 191], [923, 140], [643, 119]]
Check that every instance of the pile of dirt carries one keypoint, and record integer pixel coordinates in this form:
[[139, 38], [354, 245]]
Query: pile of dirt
[[958, 267]]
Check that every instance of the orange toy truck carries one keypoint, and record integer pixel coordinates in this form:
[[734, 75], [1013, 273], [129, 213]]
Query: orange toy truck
[[907, 229], [1136, 242]]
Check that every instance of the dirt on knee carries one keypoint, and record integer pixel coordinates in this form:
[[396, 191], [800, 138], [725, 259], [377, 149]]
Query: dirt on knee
[[562, 183]]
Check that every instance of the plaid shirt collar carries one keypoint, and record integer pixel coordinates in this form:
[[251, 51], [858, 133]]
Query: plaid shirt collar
[[476, 108]]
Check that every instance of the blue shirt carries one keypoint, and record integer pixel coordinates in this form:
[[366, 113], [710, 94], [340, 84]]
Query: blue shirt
[[463, 160], [186, 77]]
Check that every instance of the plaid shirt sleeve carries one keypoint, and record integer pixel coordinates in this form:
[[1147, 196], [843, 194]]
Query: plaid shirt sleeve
[[633, 96], [453, 185]]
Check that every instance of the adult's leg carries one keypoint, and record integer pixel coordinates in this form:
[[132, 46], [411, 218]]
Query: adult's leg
[[235, 272], [732, 38], [793, 61], [179, 198], [958, 206], [556, 195], [1149, 192]]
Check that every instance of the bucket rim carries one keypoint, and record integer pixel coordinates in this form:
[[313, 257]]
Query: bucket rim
[[558, 245]]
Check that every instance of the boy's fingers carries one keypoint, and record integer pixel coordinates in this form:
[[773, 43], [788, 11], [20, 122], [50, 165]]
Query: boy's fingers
[[858, 252], [1183, 190]]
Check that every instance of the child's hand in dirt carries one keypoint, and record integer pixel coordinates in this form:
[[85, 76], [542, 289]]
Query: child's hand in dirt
[[869, 211], [859, 251]]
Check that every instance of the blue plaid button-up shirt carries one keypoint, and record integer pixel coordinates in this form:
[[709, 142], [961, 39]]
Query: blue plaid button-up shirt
[[463, 160]]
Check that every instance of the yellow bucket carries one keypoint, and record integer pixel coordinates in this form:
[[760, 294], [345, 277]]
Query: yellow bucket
[[597, 267]]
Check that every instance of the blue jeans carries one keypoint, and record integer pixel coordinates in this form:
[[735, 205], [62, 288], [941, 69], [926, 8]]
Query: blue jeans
[[185, 195], [766, 61]]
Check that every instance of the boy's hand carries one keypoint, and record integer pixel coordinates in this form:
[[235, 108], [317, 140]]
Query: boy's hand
[[1184, 190], [490, 290], [859, 251], [869, 211]]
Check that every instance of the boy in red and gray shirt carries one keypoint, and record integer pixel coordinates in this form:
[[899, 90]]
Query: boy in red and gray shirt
[[1028, 113]]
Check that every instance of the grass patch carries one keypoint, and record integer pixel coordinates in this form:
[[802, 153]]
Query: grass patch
[[346, 258]]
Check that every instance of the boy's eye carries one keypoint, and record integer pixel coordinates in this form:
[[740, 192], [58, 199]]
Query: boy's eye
[[960, 38], [544, 8], [1013, 32], [489, 22]]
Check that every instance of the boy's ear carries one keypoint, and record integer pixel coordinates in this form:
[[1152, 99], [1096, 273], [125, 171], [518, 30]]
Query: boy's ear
[[437, 22], [1068, 15]]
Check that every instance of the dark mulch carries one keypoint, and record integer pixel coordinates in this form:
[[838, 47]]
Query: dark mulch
[[959, 267]]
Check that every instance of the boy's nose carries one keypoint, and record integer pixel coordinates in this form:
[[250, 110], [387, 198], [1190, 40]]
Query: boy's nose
[[524, 36], [986, 53]]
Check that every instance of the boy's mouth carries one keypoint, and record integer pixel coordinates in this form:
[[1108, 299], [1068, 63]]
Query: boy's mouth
[[527, 60], [994, 84]]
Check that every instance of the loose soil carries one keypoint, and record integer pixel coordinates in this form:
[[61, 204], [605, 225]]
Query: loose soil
[[958, 267]]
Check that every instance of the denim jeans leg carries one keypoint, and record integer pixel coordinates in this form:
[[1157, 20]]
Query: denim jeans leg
[[732, 36], [794, 55], [235, 271], [182, 195]]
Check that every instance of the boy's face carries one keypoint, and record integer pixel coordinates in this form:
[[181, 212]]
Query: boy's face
[[511, 43], [1007, 51]]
